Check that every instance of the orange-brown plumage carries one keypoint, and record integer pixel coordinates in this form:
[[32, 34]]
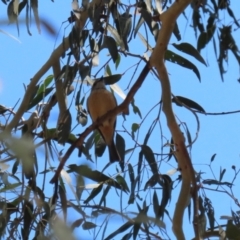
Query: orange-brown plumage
[[100, 102]]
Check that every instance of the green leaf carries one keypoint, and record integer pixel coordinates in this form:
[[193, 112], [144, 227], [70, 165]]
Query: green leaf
[[90, 141], [151, 182], [10, 187], [94, 193], [205, 37], [110, 43], [139, 24], [100, 144], [122, 182], [15, 167], [96, 176], [188, 102], [176, 32], [103, 198], [88, 225], [136, 110], [135, 127], [136, 228], [131, 173], [21, 5], [189, 138], [197, 21], [231, 14], [222, 172], [213, 157], [124, 24], [190, 50], [27, 219], [77, 223], [155, 204], [120, 144], [116, 36], [121, 229], [177, 59], [108, 70], [232, 231], [34, 6], [148, 154], [127, 236], [147, 16], [210, 214], [46, 82], [216, 182], [3, 109], [39, 97], [63, 200], [118, 61], [166, 183]]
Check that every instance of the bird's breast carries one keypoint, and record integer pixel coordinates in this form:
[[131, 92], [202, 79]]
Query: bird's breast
[[99, 103]]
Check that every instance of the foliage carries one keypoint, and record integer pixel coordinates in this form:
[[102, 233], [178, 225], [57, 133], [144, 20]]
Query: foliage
[[141, 194]]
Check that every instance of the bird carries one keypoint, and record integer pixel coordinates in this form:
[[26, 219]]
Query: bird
[[99, 102]]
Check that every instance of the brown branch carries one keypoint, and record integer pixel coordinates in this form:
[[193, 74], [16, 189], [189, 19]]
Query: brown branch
[[168, 20], [114, 112], [55, 56], [57, 53]]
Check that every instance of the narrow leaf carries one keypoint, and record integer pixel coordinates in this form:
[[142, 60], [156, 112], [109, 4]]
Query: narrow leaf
[[188, 102], [34, 6], [131, 173], [39, 97], [122, 182], [189, 49], [110, 43], [148, 154], [94, 193], [121, 229], [97, 176], [177, 59], [88, 225]]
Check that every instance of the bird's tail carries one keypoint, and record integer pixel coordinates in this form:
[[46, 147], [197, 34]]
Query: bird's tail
[[113, 153]]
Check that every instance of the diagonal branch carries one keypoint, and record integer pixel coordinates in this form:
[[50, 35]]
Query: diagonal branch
[[55, 56], [57, 53], [114, 112]]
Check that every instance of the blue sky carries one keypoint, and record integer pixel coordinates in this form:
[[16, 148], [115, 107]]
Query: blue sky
[[218, 134]]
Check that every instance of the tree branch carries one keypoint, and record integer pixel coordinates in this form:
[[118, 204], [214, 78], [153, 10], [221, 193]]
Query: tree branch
[[168, 20], [55, 56], [57, 53], [124, 105]]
